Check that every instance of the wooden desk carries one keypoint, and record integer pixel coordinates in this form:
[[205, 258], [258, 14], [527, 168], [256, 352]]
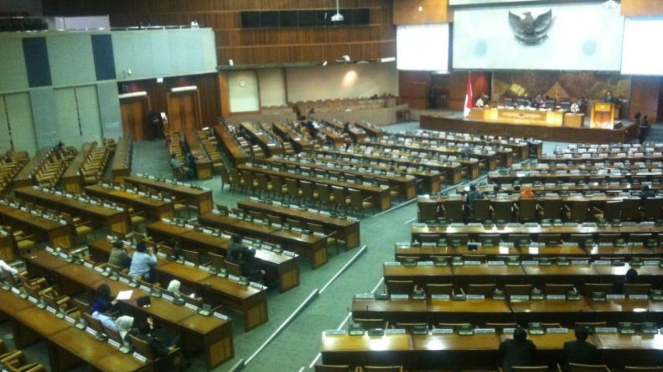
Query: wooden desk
[[7, 253], [72, 179], [278, 267], [380, 196], [424, 253], [552, 311], [453, 351], [406, 184], [251, 302], [155, 208], [111, 218], [204, 166], [578, 275], [619, 350], [228, 143], [430, 179], [487, 274], [372, 130], [646, 274], [201, 200], [24, 177], [211, 334], [298, 141], [264, 140], [365, 350], [57, 233], [121, 164], [421, 275], [346, 229], [615, 311]]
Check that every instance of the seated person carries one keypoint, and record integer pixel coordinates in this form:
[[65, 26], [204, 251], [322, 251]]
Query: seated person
[[174, 287], [526, 192], [251, 267], [471, 197], [119, 256], [124, 324], [104, 316], [235, 249], [159, 348], [631, 277], [580, 351], [518, 351], [142, 262], [5, 267], [647, 193], [103, 297]]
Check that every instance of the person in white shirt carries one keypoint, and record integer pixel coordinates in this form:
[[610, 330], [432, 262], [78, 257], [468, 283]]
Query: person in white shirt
[[5, 267]]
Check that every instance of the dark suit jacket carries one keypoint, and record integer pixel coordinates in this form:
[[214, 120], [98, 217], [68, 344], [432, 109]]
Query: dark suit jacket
[[515, 353], [581, 352]]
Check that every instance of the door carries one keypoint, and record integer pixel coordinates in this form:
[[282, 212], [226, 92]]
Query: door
[[183, 111], [134, 118]]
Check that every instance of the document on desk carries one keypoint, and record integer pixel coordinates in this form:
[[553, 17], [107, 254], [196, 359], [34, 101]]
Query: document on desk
[[124, 295]]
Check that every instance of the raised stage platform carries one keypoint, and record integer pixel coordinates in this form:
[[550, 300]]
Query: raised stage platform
[[456, 123]]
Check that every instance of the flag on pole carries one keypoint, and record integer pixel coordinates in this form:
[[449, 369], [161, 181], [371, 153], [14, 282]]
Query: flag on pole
[[469, 101]]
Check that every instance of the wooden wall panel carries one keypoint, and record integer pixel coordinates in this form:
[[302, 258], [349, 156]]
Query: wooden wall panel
[[208, 88], [480, 85], [406, 12], [248, 47], [632, 8], [645, 93], [413, 88]]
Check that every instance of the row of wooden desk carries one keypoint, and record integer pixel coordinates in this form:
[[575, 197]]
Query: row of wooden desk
[[229, 144], [250, 301], [521, 273], [584, 176], [381, 198], [210, 334], [68, 346], [58, 233], [24, 177], [155, 208], [591, 187], [71, 178], [430, 179], [406, 184], [121, 164], [200, 199], [204, 166], [279, 267], [113, 219], [299, 142], [479, 351], [258, 136], [480, 311]]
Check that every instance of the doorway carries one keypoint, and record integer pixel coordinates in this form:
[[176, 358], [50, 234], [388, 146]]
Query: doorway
[[183, 111], [134, 117]]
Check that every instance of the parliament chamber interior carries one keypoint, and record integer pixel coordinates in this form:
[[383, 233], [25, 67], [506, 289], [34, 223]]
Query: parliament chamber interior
[[331, 186]]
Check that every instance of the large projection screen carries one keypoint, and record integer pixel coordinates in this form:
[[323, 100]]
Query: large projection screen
[[639, 58], [423, 47], [582, 37]]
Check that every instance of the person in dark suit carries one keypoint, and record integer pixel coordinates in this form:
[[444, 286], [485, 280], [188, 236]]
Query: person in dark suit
[[580, 351], [646, 192], [518, 351], [631, 277]]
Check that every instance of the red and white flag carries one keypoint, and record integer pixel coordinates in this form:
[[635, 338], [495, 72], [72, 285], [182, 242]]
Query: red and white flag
[[469, 101]]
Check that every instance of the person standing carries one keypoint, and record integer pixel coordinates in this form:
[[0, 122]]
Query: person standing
[[518, 351], [471, 197], [644, 129], [580, 351]]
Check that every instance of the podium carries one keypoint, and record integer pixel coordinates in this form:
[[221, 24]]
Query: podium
[[603, 115]]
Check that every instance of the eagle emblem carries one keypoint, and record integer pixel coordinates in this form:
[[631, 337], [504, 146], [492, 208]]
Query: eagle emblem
[[528, 30]]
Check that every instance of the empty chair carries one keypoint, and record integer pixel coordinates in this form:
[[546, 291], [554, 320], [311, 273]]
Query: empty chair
[[277, 187], [557, 289], [631, 209], [573, 367], [582, 239], [489, 240], [324, 195], [591, 325], [612, 210], [526, 210], [636, 289], [438, 289], [358, 203], [429, 238], [549, 239], [550, 208], [475, 257], [293, 190], [576, 210], [310, 196], [458, 239], [597, 287], [517, 289], [503, 210], [481, 289], [408, 327], [428, 211], [519, 240], [340, 200], [373, 323], [454, 326], [608, 238], [639, 238], [651, 209], [191, 256], [454, 210], [400, 287], [480, 211], [332, 368]]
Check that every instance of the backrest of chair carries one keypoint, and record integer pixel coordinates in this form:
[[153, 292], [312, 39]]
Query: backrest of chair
[[574, 367], [383, 368], [218, 261], [113, 334], [557, 289], [489, 240], [307, 189], [636, 289], [233, 268], [191, 256], [429, 238], [579, 210], [315, 227], [428, 211], [552, 208], [608, 238], [461, 238], [639, 237], [331, 368], [371, 323], [527, 209], [274, 219], [652, 208], [453, 210], [291, 185], [545, 238], [481, 289], [277, 182], [323, 192], [294, 223], [581, 239], [597, 287], [94, 323], [83, 307], [502, 210], [142, 347], [530, 368], [501, 325], [400, 287], [339, 194], [630, 209], [612, 210], [517, 289], [438, 289], [356, 200], [481, 210], [475, 257], [408, 327]]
